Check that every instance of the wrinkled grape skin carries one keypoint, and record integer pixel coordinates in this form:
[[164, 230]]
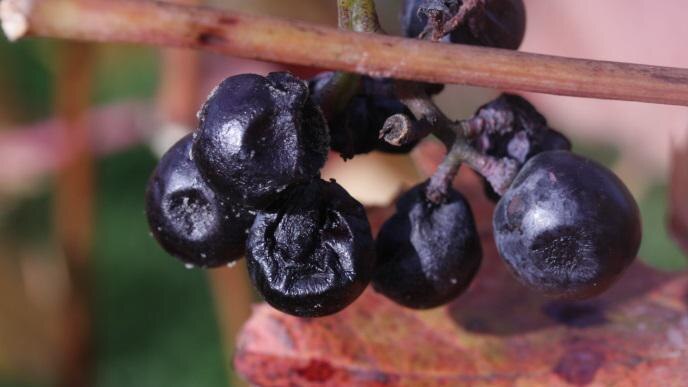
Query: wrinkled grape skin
[[187, 218], [258, 135], [356, 128], [428, 254], [314, 255], [515, 130], [568, 226], [501, 25]]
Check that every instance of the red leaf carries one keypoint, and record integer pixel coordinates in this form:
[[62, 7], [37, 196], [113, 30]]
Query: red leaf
[[498, 333], [678, 195]]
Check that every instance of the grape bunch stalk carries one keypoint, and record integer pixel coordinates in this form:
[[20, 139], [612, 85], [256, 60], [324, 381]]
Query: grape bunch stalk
[[247, 182]]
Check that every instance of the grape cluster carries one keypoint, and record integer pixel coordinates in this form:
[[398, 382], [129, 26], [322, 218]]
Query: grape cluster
[[247, 183]]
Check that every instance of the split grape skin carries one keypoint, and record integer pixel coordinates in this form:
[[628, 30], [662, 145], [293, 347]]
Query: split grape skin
[[428, 254], [514, 129], [259, 135], [188, 219], [314, 254], [568, 226], [500, 24]]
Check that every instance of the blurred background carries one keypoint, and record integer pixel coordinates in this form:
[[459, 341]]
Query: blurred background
[[88, 298]]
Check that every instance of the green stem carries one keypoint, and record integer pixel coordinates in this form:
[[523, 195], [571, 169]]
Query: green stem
[[364, 16], [358, 16], [344, 14]]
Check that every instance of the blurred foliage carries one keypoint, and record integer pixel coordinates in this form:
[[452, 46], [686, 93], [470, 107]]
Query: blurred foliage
[[29, 221], [25, 79], [15, 383], [154, 318], [657, 248], [155, 323], [125, 72], [602, 153]]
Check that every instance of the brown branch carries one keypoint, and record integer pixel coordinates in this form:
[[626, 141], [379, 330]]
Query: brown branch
[[179, 92], [232, 294], [273, 39], [74, 213]]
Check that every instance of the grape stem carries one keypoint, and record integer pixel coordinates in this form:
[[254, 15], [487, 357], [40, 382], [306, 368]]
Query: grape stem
[[456, 138], [400, 130], [443, 177], [426, 111], [498, 172]]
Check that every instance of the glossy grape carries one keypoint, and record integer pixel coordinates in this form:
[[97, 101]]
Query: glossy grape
[[427, 253], [258, 135], [188, 219], [314, 254], [567, 226]]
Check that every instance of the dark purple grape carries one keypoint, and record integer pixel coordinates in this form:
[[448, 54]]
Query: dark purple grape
[[567, 226], [187, 218], [500, 24], [427, 253], [314, 254], [258, 135]]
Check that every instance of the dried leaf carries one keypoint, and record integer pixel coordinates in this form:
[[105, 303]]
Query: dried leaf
[[498, 333], [678, 193]]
